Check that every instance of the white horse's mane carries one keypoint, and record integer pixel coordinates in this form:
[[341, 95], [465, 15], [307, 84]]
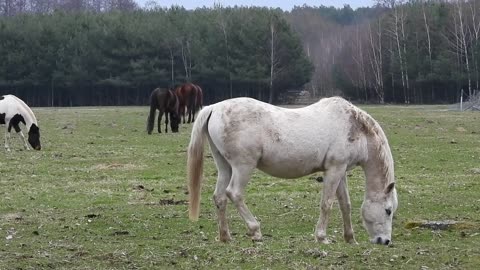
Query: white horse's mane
[[373, 129]]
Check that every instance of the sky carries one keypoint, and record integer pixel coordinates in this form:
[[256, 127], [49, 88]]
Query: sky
[[283, 4]]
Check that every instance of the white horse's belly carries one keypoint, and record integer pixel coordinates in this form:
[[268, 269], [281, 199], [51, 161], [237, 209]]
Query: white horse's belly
[[283, 166], [287, 171]]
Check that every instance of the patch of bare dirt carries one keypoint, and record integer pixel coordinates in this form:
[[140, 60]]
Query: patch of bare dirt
[[117, 166], [10, 217], [442, 225]]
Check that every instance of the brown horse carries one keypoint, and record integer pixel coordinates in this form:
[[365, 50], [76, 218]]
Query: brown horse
[[166, 102], [188, 97]]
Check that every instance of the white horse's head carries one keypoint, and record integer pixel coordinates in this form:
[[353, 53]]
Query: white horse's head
[[377, 213]]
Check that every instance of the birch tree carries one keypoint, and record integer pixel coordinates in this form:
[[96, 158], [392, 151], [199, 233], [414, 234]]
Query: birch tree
[[376, 59]]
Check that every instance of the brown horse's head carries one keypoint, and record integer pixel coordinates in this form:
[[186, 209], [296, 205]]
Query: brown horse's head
[[173, 109], [174, 121]]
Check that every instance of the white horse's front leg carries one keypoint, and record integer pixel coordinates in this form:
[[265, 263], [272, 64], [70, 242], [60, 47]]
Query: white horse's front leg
[[330, 184], [346, 209], [22, 137]]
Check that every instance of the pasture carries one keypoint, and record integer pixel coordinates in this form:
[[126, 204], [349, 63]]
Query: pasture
[[102, 194]]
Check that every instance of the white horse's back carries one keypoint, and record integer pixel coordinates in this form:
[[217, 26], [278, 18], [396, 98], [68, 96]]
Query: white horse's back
[[287, 143]]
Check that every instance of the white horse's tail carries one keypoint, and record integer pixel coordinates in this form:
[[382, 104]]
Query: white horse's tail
[[195, 161]]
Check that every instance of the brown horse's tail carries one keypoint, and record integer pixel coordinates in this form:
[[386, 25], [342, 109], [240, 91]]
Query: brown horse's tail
[[153, 109], [195, 161], [199, 100]]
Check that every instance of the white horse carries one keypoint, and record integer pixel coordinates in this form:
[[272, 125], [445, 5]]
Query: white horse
[[331, 135], [13, 111]]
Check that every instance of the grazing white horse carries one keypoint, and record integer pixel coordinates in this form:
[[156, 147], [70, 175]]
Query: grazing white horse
[[13, 111], [331, 135]]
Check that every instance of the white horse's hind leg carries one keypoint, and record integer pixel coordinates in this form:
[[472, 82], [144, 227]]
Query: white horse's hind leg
[[235, 191], [346, 208], [332, 178], [220, 195]]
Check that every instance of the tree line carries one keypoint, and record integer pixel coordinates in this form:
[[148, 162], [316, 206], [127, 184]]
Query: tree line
[[111, 52], [417, 51], [73, 54]]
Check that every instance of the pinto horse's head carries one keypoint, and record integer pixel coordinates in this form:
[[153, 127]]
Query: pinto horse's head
[[34, 137], [377, 215]]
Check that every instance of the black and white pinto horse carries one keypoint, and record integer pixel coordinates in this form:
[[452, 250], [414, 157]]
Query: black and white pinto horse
[[13, 111]]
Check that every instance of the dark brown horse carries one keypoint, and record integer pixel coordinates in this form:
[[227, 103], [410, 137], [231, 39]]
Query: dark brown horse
[[188, 97], [166, 102]]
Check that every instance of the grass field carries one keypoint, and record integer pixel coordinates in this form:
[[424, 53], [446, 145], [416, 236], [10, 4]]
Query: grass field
[[102, 194]]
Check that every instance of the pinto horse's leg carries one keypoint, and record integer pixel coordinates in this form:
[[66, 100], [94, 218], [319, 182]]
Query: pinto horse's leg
[[7, 136], [220, 195], [22, 137], [235, 191], [331, 181], [346, 208]]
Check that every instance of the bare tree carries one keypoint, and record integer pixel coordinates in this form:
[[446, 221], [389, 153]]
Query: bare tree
[[462, 40], [12, 7], [222, 23], [397, 31], [475, 33], [376, 60], [185, 49], [273, 59], [429, 42], [359, 59]]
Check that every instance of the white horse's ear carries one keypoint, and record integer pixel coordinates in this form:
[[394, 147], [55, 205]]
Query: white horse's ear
[[389, 188]]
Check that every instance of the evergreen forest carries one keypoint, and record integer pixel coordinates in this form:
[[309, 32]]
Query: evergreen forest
[[112, 52]]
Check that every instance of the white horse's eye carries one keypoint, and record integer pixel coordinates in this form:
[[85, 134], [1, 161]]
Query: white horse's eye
[[389, 211]]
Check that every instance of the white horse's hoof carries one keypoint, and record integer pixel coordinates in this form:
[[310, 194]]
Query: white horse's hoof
[[224, 237], [323, 240]]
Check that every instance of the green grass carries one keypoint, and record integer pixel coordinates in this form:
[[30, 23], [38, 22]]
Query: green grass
[[102, 194]]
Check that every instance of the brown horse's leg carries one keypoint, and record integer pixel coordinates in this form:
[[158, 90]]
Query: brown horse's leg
[[189, 114], [193, 113], [182, 112], [166, 122], [160, 115]]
